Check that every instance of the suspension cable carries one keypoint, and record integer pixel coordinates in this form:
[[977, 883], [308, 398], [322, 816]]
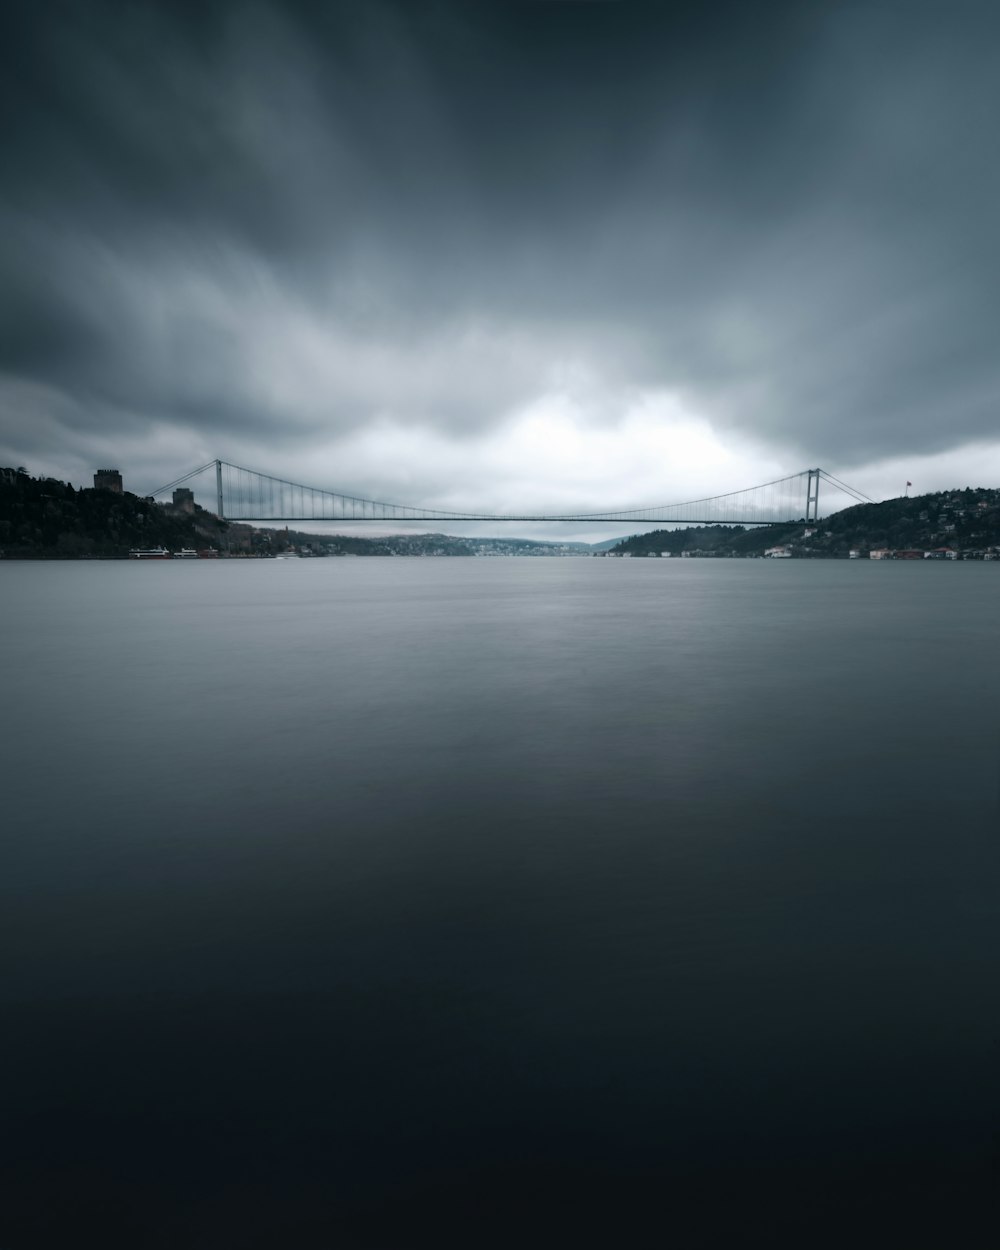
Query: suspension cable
[[248, 491], [849, 490], [177, 481]]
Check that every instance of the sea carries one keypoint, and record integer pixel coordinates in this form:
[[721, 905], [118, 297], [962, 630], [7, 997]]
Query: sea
[[391, 903]]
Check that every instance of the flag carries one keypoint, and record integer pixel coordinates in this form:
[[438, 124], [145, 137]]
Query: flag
[[909, 483]]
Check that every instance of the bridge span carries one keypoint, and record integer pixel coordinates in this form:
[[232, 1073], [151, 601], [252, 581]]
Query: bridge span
[[246, 495]]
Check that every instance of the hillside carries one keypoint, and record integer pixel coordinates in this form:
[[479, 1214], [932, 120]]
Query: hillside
[[42, 518], [965, 520]]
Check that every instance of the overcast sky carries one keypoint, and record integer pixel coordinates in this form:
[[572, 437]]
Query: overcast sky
[[540, 255]]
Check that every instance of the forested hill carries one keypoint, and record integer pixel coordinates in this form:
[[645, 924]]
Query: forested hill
[[965, 520], [42, 518]]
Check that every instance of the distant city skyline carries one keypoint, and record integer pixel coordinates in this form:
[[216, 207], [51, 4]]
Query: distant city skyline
[[505, 257]]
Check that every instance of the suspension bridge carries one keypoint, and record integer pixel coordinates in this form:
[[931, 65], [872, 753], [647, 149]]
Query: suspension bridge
[[246, 495]]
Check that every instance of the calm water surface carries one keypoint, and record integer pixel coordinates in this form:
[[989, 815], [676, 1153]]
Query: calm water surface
[[391, 903]]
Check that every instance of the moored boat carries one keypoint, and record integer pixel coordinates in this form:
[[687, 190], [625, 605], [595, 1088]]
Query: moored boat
[[150, 553]]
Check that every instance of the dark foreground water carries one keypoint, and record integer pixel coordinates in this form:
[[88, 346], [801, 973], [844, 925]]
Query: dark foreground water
[[388, 903]]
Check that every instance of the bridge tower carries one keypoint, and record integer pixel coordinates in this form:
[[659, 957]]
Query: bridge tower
[[218, 489], [812, 496]]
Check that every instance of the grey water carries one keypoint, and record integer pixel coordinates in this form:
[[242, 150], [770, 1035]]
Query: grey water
[[390, 903]]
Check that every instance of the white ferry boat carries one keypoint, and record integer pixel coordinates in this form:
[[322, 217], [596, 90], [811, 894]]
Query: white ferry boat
[[149, 553], [186, 553]]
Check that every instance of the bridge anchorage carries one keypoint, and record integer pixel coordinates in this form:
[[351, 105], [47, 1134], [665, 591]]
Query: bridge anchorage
[[246, 495]]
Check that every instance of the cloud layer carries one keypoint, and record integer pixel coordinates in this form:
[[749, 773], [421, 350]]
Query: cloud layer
[[386, 240]]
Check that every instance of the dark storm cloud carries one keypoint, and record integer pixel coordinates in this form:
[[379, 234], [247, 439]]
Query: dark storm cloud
[[276, 224]]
